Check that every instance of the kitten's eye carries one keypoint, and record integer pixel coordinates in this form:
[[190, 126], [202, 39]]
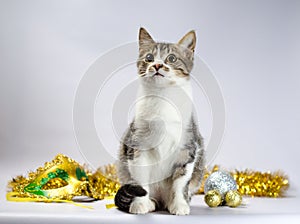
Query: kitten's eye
[[171, 58], [149, 58]]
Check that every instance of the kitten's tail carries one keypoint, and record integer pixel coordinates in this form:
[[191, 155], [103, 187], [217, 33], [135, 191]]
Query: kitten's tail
[[126, 194]]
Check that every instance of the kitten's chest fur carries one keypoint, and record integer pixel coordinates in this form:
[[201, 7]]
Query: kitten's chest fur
[[163, 112], [162, 116]]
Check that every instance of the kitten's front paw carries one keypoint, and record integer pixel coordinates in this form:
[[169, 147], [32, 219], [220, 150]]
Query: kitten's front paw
[[179, 208], [141, 205]]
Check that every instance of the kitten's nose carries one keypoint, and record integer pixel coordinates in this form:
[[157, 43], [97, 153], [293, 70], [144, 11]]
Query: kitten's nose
[[158, 66]]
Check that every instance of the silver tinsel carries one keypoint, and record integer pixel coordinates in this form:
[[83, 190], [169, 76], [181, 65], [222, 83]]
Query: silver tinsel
[[221, 181]]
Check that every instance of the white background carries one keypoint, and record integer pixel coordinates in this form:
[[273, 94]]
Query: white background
[[253, 47]]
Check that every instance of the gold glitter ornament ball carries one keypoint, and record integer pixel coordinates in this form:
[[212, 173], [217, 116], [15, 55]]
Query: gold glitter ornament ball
[[213, 198], [233, 198]]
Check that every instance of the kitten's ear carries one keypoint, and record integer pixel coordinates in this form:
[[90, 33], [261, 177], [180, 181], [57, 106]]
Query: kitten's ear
[[189, 40], [144, 37]]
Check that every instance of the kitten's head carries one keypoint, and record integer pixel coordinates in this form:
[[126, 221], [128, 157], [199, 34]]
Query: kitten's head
[[165, 64]]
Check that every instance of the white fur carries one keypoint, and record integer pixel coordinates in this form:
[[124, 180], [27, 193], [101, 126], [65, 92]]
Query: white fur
[[178, 205], [173, 107], [142, 205]]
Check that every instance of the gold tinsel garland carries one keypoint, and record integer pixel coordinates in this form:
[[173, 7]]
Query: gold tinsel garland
[[255, 183], [63, 178], [258, 184]]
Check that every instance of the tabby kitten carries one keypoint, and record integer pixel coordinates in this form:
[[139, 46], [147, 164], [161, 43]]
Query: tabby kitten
[[161, 159]]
